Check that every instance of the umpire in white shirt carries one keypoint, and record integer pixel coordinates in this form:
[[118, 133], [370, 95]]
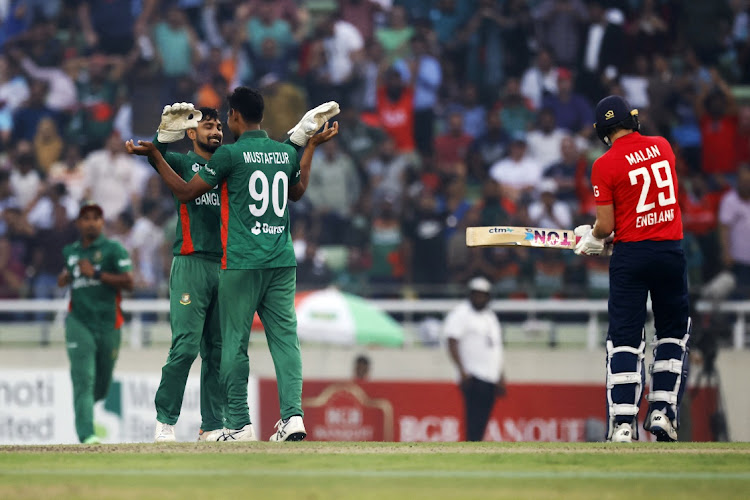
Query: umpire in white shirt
[[475, 344]]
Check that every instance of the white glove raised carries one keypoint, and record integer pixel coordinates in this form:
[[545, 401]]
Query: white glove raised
[[175, 120], [312, 121], [588, 244]]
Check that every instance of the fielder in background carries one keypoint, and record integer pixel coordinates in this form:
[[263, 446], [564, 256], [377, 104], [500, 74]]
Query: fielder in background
[[97, 269], [475, 344], [635, 186], [256, 178], [194, 277]]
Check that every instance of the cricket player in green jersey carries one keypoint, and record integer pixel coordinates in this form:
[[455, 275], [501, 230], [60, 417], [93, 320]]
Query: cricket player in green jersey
[[97, 269], [256, 177], [193, 279]]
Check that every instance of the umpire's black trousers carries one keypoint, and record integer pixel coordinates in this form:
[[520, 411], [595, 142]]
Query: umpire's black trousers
[[479, 398]]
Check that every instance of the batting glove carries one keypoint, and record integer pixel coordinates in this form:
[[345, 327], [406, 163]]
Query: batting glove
[[312, 121], [588, 244], [175, 120]]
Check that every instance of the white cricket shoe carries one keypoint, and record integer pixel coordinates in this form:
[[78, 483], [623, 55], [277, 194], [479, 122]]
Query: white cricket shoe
[[623, 433], [164, 433], [291, 429], [210, 435], [661, 427], [247, 433]]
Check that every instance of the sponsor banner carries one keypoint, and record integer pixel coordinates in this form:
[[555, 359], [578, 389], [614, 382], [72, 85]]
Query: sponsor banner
[[36, 407], [433, 411]]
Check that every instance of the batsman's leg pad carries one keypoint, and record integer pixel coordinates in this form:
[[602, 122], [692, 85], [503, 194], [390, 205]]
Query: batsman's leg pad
[[625, 382], [669, 373]]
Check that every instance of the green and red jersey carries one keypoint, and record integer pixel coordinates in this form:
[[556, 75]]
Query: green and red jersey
[[198, 220], [254, 175], [92, 301]]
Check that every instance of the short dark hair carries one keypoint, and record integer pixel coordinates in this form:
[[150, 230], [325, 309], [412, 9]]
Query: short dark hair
[[209, 113], [248, 103]]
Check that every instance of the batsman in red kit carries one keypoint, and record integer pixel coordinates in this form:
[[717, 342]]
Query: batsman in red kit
[[638, 223]]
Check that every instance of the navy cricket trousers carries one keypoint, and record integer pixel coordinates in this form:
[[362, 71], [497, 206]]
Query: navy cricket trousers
[[637, 268]]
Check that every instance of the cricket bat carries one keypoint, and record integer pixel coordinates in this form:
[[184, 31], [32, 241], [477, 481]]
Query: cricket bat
[[490, 236]]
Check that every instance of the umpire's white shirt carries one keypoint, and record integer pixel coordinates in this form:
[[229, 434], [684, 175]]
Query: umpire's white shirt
[[480, 340]]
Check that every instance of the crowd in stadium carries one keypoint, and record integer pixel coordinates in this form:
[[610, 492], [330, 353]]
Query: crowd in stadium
[[454, 113]]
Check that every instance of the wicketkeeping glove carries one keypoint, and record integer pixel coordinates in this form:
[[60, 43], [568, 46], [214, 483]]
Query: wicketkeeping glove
[[175, 120], [588, 244], [312, 121]]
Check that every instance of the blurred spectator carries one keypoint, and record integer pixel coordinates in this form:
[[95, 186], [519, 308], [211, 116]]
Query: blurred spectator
[[603, 50], [272, 59], [545, 142], [110, 26], [24, 176], [649, 30], [51, 218], [333, 190], [13, 92], [560, 23], [396, 109], [27, 117], [12, 271], [7, 200], [700, 211], [386, 172], [454, 202], [176, 43], [717, 112], [704, 24], [395, 37], [343, 48], [146, 244], [564, 171], [635, 84], [387, 246], [572, 111], [362, 141], [490, 148], [425, 233], [519, 173], [734, 217], [452, 147], [100, 93], [515, 111], [69, 171], [286, 102], [472, 111], [426, 85], [48, 145], [52, 202], [312, 271], [361, 365], [540, 79], [265, 24], [113, 177], [61, 94], [549, 211]]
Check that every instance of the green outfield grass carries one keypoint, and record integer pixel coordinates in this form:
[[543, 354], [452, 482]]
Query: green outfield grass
[[390, 471]]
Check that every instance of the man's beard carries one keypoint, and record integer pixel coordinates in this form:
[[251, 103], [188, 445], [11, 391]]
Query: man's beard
[[208, 148]]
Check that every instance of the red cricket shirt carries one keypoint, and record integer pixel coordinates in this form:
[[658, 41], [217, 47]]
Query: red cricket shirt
[[637, 175]]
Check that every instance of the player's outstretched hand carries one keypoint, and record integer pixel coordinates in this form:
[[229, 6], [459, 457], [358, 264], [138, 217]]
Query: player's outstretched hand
[[312, 121], [175, 120], [588, 244], [144, 148], [325, 135]]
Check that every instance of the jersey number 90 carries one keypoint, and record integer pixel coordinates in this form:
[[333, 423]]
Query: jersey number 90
[[279, 191], [664, 180]]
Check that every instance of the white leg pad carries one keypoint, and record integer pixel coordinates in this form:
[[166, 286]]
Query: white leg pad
[[630, 377]]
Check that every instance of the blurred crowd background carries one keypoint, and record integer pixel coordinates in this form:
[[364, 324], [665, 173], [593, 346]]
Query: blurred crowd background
[[454, 113]]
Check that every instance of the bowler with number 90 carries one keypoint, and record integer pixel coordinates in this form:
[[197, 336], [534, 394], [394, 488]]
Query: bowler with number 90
[[635, 187]]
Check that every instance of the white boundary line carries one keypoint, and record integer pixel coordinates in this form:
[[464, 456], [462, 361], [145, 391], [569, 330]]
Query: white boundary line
[[391, 474]]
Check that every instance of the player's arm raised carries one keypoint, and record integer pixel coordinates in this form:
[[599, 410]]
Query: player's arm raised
[[298, 190], [183, 191]]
